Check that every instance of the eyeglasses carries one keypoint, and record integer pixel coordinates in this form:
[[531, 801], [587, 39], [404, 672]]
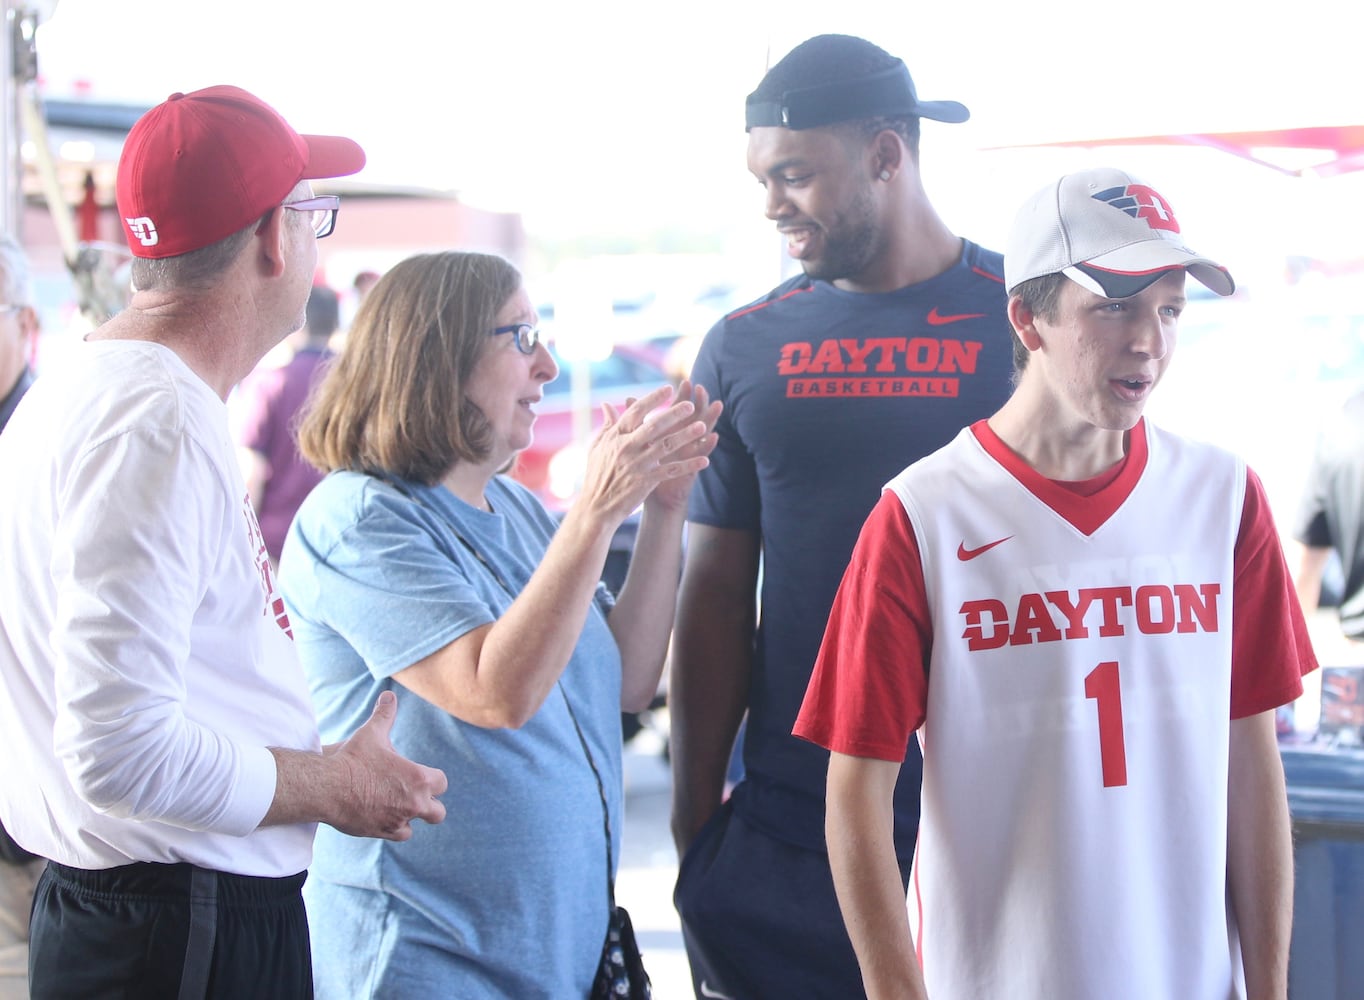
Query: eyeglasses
[[323, 209], [527, 336]]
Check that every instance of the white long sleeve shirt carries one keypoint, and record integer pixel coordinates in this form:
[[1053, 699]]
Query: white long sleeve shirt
[[144, 651]]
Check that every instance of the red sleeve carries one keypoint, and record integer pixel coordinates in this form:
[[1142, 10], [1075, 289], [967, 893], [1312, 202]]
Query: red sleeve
[[1270, 647], [870, 683]]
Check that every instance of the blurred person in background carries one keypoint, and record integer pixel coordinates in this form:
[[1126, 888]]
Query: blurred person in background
[[1330, 519], [363, 283], [161, 749], [417, 567], [19, 870], [19, 325], [893, 339], [351, 301], [268, 405], [1329, 522]]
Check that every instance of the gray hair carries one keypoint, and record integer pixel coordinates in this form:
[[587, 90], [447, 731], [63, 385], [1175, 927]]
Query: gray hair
[[196, 269], [17, 285]]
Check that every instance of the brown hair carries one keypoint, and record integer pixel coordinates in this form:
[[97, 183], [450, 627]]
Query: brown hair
[[394, 402], [1041, 296]]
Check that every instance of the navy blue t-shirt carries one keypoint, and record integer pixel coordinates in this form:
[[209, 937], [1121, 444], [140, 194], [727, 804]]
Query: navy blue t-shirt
[[828, 394]]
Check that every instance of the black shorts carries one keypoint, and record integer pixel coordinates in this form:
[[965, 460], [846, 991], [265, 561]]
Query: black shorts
[[760, 918], [168, 931]]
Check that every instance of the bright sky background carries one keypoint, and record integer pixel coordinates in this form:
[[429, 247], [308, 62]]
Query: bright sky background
[[612, 117], [617, 115]]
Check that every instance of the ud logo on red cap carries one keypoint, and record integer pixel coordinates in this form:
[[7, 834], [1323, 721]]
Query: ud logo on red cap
[[144, 231]]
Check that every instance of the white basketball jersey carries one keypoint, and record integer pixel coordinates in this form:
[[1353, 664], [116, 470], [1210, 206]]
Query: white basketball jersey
[[1074, 829]]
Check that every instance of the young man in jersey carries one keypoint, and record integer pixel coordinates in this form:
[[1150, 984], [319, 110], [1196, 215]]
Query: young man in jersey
[[1089, 623], [893, 339]]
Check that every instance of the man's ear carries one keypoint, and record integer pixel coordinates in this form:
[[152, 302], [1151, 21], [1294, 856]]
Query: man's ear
[[1024, 322], [888, 151], [30, 323], [271, 242]]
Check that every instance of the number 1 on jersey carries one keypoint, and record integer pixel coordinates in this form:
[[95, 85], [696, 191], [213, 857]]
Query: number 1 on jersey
[[1102, 685]]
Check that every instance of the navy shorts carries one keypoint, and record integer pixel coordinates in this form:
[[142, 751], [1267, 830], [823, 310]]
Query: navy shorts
[[760, 918], [159, 931]]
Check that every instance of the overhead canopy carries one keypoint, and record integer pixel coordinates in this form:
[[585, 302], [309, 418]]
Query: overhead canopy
[[1339, 149]]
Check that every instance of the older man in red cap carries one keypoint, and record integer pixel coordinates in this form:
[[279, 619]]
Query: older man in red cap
[[163, 750]]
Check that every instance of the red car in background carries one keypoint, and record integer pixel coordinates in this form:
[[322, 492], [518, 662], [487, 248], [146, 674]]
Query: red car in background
[[656, 328]]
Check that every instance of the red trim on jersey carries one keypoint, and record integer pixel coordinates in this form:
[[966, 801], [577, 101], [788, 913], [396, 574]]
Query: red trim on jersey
[[1086, 504], [763, 305], [987, 274]]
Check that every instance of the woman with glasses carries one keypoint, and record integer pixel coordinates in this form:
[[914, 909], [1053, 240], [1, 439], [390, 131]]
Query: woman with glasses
[[417, 567]]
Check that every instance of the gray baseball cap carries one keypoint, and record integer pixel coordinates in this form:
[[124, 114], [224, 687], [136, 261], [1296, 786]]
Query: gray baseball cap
[[1108, 232]]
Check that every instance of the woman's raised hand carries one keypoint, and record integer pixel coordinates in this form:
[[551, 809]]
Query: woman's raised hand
[[655, 445], [671, 493]]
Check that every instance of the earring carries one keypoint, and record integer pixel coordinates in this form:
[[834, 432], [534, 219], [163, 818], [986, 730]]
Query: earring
[[885, 175]]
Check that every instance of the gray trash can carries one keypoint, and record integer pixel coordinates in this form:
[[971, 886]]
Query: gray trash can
[[1326, 800]]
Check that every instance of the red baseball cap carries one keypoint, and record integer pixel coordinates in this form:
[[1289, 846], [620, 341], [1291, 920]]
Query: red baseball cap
[[203, 165]]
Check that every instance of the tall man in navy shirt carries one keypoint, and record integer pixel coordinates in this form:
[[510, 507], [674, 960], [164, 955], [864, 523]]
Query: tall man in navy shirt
[[893, 339]]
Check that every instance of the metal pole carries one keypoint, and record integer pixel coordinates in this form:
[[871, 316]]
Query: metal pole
[[18, 80], [11, 194]]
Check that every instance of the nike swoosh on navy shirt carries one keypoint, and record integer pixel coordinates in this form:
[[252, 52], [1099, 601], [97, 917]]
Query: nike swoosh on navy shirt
[[965, 554], [936, 318]]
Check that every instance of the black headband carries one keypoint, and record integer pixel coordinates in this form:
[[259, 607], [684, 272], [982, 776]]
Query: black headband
[[889, 93]]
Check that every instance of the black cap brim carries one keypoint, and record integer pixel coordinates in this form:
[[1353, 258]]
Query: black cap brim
[[888, 93]]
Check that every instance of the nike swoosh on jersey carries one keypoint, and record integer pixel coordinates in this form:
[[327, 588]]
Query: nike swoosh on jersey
[[936, 318], [708, 990], [965, 554]]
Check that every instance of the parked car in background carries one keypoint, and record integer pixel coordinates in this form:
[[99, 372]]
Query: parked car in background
[[656, 328]]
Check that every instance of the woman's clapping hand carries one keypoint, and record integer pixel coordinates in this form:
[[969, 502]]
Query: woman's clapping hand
[[652, 449]]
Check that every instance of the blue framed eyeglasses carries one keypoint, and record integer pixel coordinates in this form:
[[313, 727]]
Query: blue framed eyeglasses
[[323, 209], [527, 336]]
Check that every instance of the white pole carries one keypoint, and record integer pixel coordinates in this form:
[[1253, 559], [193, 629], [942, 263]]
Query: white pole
[[18, 82], [11, 192]]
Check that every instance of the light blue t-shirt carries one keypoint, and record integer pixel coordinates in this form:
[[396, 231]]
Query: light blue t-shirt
[[507, 897]]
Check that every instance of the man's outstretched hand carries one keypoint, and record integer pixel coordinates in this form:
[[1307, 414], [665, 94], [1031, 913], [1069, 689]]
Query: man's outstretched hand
[[361, 786]]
